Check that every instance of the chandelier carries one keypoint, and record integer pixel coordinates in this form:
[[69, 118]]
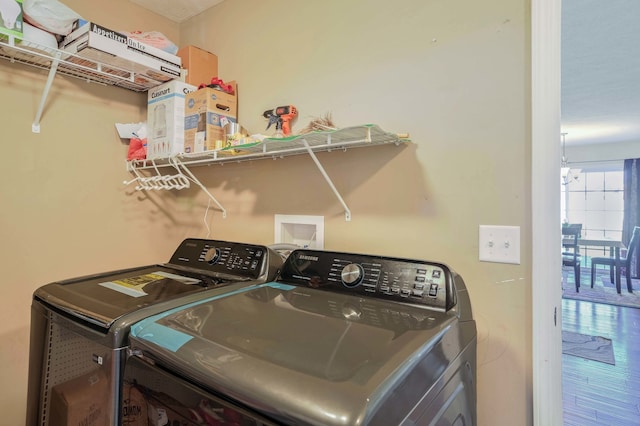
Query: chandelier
[[567, 174]]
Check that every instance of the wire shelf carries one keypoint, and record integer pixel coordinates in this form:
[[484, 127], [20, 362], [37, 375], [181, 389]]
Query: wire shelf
[[273, 148], [341, 139], [44, 57]]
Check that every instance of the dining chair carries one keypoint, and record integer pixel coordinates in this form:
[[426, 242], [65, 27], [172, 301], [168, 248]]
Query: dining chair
[[624, 261], [570, 250]]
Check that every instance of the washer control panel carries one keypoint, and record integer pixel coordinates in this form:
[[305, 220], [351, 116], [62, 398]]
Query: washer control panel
[[239, 259], [403, 280]]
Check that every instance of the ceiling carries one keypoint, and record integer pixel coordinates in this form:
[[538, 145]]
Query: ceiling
[[177, 10], [600, 71], [600, 65]]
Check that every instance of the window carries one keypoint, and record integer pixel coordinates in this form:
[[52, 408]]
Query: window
[[595, 199]]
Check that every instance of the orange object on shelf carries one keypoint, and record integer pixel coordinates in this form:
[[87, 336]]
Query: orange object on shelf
[[200, 65]]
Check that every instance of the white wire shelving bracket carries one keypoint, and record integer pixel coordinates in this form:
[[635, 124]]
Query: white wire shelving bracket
[[180, 180], [347, 211], [64, 63], [270, 148], [204, 188]]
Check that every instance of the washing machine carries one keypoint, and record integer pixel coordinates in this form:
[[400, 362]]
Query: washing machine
[[337, 339], [80, 327]]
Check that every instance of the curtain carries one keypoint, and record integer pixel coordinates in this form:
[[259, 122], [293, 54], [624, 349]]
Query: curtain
[[631, 206]]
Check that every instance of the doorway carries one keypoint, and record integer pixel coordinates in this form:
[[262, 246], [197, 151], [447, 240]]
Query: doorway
[[545, 203]]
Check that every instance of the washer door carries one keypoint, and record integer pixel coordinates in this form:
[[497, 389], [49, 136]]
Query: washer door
[[101, 299]]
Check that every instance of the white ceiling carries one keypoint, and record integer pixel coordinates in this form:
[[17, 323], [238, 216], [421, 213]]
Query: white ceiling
[[600, 71], [177, 10]]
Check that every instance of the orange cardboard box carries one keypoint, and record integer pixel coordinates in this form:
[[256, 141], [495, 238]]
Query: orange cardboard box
[[201, 65], [81, 401]]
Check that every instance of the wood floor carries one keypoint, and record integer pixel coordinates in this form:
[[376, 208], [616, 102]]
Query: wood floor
[[595, 393]]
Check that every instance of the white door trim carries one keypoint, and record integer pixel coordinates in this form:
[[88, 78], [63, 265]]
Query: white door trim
[[546, 291]]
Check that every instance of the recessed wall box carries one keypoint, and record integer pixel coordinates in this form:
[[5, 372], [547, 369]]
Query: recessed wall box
[[304, 231]]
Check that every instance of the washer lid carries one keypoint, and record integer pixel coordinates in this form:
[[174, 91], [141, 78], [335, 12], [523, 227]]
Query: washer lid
[[102, 299], [303, 352], [196, 265]]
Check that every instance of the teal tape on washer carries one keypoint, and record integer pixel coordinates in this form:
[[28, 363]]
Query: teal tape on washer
[[165, 337], [281, 286]]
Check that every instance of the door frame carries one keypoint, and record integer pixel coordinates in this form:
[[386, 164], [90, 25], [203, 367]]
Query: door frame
[[546, 289]]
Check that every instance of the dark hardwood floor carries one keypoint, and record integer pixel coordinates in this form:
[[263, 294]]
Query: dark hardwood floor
[[595, 393]]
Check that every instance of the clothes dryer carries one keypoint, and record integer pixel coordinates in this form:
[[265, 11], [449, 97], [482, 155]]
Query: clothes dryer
[[80, 327]]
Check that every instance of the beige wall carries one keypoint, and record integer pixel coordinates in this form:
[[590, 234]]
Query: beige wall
[[452, 73], [65, 211]]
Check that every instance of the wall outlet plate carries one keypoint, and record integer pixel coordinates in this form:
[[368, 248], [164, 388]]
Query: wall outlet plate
[[499, 244]]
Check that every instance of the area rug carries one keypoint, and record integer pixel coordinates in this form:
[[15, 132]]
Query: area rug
[[596, 348], [603, 291]]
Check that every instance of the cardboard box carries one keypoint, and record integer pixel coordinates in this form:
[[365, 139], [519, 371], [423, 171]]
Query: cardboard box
[[200, 66], [81, 401], [206, 112], [125, 57], [165, 119], [134, 407], [11, 22]]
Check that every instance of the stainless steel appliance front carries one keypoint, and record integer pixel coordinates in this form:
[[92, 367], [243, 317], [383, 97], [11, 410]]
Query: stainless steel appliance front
[[337, 339]]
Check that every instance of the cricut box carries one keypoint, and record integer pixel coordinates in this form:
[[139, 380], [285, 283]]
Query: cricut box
[[199, 65], [165, 119], [80, 401], [206, 112], [11, 22]]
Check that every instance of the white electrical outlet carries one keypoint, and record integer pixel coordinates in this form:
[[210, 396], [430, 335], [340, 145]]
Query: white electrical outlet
[[499, 244]]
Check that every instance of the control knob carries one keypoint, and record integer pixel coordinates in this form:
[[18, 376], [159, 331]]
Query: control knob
[[212, 255], [352, 275]]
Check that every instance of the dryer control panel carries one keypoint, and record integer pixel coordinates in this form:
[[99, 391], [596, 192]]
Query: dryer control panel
[[402, 280], [230, 258]]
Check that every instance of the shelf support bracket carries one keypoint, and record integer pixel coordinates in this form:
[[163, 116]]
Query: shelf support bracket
[[204, 188], [347, 212], [35, 127]]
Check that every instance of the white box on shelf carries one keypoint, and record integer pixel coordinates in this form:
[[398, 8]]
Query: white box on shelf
[[165, 119], [124, 56]]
